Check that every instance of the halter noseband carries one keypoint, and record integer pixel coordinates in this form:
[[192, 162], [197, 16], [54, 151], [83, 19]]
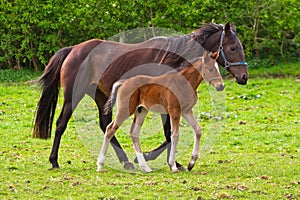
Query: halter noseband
[[221, 51]]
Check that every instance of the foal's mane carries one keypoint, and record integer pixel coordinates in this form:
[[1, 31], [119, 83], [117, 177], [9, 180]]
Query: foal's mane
[[181, 46]]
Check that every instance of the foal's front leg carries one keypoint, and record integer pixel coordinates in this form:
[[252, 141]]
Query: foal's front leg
[[190, 118]]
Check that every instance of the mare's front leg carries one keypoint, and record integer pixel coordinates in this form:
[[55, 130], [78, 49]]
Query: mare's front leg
[[139, 117], [190, 118]]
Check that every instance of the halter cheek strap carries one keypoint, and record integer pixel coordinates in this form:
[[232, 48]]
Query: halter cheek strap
[[226, 62]]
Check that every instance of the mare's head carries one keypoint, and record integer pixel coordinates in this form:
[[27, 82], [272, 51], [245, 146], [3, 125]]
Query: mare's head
[[210, 70], [224, 39]]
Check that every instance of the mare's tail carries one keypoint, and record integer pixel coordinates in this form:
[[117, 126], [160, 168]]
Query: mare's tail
[[50, 82], [113, 96]]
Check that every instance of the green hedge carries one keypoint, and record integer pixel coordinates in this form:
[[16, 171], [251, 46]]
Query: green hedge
[[33, 30]]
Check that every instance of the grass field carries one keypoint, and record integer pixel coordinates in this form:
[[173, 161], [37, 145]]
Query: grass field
[[252, 134]]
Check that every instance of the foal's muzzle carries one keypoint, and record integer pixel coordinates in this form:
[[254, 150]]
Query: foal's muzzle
[[217, 83], [220, 87]]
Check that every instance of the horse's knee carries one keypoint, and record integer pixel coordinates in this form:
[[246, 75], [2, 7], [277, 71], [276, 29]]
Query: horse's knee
[[110, 130], [198, 135]]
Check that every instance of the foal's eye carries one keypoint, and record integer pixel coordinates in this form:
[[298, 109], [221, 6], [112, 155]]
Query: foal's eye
[[232, 48]]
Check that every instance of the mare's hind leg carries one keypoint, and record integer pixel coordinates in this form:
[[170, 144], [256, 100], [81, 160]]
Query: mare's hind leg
[[72, 96], [139, 117], [190, 118], [166, 144], [61, 125], [104, 120]]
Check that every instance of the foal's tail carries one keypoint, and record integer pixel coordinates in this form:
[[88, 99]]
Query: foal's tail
[[50, 82], [113, 96]]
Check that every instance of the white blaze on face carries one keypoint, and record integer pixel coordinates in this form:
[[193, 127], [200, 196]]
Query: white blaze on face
[[217, 67]]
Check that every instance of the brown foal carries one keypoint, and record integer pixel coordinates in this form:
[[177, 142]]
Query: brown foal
[[174, 93]]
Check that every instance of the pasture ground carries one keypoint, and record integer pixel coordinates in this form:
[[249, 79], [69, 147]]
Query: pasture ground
[[256, 154]]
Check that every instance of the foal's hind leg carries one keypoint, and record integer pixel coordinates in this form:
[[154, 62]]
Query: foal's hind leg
[[139, 117], [175, 119], [166, 144], [104, 120], [190, 118], [109, 133], [167, 131]]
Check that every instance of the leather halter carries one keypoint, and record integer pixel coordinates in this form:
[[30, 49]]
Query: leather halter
[[221, 51]]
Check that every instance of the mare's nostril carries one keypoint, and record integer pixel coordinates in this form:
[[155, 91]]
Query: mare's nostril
[[244, 77]]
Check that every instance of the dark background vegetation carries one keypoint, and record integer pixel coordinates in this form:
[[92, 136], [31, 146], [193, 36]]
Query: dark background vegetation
[[31, 31]]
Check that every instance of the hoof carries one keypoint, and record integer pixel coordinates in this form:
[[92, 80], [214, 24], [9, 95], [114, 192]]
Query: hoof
[[148, 170], [174, 169], [190, 166], [100, 167], [180, 167], [128, 165], [54, 168]]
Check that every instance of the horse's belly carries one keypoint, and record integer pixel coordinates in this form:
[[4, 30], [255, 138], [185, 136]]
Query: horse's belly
[[156, 108]]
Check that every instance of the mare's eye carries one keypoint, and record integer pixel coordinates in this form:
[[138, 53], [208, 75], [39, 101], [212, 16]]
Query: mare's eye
[[232, 48]]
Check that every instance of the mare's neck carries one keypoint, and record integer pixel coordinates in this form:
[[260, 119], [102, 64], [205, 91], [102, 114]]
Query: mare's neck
[[176, 49], [193, 75]]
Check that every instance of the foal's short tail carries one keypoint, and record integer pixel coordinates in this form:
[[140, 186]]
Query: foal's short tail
[[50, 82], [113, 96]]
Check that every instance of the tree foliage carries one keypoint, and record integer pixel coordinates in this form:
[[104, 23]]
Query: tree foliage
[[33, 30]]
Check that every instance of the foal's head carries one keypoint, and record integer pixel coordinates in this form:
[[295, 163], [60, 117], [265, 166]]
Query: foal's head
[[210, 70]]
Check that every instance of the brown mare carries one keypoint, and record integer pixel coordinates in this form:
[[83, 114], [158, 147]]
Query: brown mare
[[172, 93], [92, 67]]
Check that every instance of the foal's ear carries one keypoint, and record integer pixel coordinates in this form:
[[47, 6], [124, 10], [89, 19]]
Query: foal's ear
[[214, 55], [205, 53], [206, 56]]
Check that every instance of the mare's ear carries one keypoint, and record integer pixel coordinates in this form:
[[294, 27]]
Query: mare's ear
[[214, 55], [233, 28], [227, 29]]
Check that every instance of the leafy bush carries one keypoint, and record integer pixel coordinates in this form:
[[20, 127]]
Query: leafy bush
[[32, 31]]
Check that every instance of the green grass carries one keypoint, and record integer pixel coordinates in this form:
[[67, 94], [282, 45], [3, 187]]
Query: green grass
[[255, 153]]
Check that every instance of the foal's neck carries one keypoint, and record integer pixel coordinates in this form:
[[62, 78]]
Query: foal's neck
[[193, 75]]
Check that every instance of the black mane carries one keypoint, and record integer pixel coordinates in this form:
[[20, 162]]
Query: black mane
[[201, 34], [180, 49]]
